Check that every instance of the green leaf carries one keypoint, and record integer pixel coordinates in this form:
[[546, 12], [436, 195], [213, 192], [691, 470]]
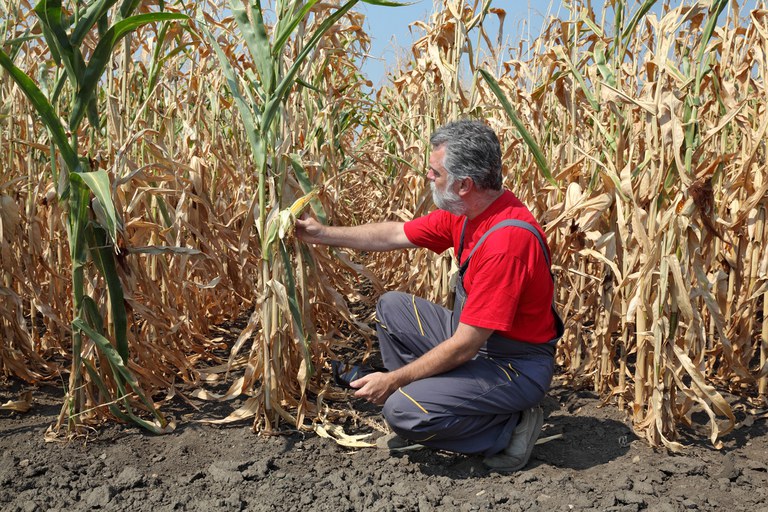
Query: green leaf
[[112, 406], [284, 31], [306, 186], [387, 3], [637, 17], [43, 109], [585, 18], [121, 372], [92, 314], [308, 85], [59, 87], [530, 142], [101, 56], [103, 256], [255, 36], [270, 110], [600, 61], [98, 182], [77, 221], [93, 13], [16, 43], [54, 31], [579, 78], [92, 113], [249, 122], [155, 65], [127, 7], [714, 13], [293, 305]]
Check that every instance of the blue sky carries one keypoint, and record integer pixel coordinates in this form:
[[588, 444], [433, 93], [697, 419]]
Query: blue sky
[[388, 26]]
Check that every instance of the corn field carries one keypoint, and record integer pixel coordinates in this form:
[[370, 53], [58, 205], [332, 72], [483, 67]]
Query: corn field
[[154, 154]]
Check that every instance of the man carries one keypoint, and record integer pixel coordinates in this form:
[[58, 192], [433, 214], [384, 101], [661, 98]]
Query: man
[[468, 380]]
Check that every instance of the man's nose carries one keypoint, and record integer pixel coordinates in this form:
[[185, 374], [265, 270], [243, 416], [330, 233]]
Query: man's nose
[[430, 175]]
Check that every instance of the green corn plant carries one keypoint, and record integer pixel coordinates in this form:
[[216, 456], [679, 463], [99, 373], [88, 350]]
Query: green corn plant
[[533, 146], [261, 99], [92, 222], [693, 101]]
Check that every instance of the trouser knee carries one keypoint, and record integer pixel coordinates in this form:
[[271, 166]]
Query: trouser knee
[[406, 419], [388, 304]]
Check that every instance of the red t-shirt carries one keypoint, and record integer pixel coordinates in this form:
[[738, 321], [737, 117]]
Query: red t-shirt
[[508, 285]]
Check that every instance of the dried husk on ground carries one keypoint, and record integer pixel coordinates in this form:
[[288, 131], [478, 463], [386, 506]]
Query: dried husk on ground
[[655, 209]]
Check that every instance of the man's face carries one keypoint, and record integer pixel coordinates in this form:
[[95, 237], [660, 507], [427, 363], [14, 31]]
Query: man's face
[[443, 186]]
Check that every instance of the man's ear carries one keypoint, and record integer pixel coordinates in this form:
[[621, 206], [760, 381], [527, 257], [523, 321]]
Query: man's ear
[[466, 185]]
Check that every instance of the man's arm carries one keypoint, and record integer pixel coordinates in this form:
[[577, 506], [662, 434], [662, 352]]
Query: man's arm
[[383, 236], [456, 350]]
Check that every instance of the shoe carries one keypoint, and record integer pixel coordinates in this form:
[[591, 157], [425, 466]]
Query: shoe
[[517, 454], [395, 443]]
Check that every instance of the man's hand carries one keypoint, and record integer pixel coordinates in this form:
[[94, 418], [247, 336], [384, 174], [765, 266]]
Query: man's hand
[[456, 350], [309, 230], [375, 387]]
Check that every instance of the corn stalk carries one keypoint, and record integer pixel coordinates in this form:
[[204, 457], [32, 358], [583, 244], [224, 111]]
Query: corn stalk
[[92, 223], [264, 102]]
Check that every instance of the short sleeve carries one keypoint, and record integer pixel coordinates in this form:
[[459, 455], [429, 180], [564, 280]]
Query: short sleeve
[[433, 231]]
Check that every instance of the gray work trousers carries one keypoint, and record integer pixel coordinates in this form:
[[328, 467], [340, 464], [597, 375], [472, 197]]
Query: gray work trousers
[[471, 409]]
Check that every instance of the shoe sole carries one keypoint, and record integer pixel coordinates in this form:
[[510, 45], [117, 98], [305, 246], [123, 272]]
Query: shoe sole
[[395, 443]]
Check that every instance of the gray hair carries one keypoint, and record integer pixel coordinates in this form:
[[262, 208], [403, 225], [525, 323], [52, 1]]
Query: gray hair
[[472, 150]]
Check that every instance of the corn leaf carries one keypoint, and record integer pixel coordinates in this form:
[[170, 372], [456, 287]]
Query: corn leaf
[[246, 114], [128, 7], [579, 78], [637, 17], [714, 13], [293, 305], [128, 417], [387, 3], [50, 14], [101, 56], [103, 256], [92, 314], [255, 35], [98, 182], [93, 13], [161, 249], [287, 81], [22, 405], [121, 372], [154, 69], [306, 186], [77, 221], [538, 155], [284, 31], [43, 109]]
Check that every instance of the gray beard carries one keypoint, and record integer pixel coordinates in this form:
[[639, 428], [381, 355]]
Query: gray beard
[[447, 200]]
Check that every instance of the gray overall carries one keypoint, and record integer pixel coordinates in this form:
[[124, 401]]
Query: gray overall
[[475, 407]]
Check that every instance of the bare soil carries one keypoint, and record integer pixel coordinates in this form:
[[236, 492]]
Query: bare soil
[[597, 464]]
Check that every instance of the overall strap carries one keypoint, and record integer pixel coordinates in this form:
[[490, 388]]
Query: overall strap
[[509, 222], [559, 326]]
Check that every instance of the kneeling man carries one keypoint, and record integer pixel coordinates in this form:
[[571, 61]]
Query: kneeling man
[[467, 380]]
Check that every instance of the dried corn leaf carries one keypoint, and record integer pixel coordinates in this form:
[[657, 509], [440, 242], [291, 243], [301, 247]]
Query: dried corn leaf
[[24, 404], [248, 410], [337, 434]]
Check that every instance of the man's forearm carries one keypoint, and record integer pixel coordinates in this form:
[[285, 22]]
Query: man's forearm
[[384, 236], [453, 352], [456, 350]]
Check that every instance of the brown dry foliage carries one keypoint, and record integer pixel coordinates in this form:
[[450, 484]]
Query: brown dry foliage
[[661, 270]]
